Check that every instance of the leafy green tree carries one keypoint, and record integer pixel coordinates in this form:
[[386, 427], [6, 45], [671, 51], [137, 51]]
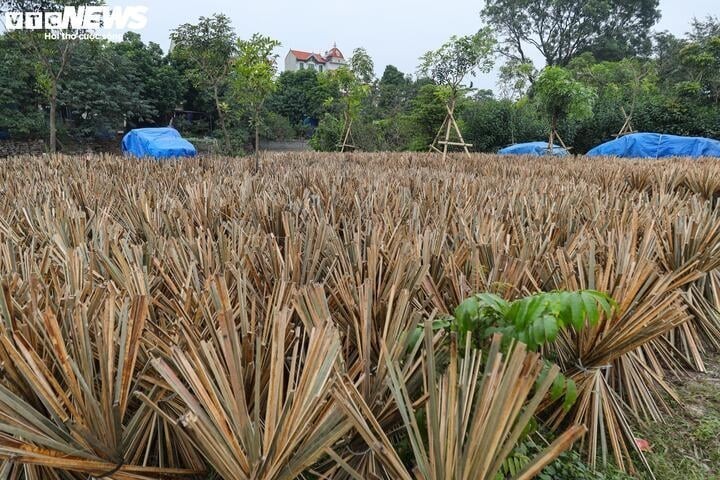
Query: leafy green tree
[[100, 90], [448, 67], [704, 29], [491, 124], [701, 62], [562, 29], [666, 56], [253, 79], [560, 96], [515, 77], [328, 133], [160, 84], [111, 84], [208, 48], [457, 59], [388, 106], [621, 88], [50, 56], [362, 65], [298, 96], [427, 111], [394, 91], [19, 97], [347, 94]]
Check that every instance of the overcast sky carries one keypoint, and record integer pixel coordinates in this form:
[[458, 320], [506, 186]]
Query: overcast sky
[[394, 32]]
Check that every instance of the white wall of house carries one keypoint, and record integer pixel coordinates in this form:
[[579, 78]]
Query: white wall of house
[[291, 63], [311, 64], [334, 63]]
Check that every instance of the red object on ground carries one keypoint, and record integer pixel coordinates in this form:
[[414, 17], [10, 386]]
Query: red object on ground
[[642, 444]]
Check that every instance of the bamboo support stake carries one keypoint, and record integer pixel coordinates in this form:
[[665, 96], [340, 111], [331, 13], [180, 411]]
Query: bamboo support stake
[[347, 134], [448, 125]]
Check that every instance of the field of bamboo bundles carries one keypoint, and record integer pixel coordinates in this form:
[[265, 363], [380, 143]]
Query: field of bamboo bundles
[[191, 320]]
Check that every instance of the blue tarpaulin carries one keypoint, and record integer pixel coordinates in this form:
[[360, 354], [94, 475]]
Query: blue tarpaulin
[[157, 143], [657, 145], [532, 148]]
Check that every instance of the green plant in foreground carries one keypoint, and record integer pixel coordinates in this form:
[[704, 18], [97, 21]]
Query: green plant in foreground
[[533, 320]]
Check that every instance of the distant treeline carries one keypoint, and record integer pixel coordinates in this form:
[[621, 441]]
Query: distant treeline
[[637, 79]]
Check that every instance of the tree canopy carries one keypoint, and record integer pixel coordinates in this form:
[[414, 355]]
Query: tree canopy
[[562, 29], [560, 96], [208, 48], [252, 78], [207, 84], [459, 58]]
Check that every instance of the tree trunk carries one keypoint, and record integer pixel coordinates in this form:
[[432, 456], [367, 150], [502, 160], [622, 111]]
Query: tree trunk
[[53, 118], [553, 129], [221, 119]]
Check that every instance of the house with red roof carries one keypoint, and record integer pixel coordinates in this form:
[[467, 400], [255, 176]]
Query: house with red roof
[[299, 60]]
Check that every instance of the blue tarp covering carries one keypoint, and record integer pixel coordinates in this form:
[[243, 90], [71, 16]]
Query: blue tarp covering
[[532, 148], [657, 145], [157, 143]]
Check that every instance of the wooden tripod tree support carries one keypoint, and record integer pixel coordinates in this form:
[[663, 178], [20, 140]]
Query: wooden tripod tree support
[[627, 127], [448, 125], [347, 135], [553, 135]]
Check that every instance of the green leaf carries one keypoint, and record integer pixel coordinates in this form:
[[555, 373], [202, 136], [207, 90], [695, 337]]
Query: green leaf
[[570, 394], [606, 302], [558, 387], [550, 326], [494, 302], [466, 311], [591, 308], [562, 303], [577, 311], [537, 332], [530, 312]]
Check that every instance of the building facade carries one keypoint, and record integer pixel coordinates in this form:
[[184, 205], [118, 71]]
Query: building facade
[[298, 60]]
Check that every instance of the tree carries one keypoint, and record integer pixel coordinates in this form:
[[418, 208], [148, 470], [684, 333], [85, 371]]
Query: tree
[[562, 29], [515, 77], [701, 62], [448, 66], [347, 95], [209, 48], [253, 79], [491, 124], [100, 89], [19, 97], [394, 91], [702, 30], [560, 96], [111, 85], [161, 86], [459, 57], [427, 110], [621, 90], [362, 65], [50, 56], [666, 56], [298, 96]]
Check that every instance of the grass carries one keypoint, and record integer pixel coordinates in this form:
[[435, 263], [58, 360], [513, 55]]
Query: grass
[[687, 446]]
